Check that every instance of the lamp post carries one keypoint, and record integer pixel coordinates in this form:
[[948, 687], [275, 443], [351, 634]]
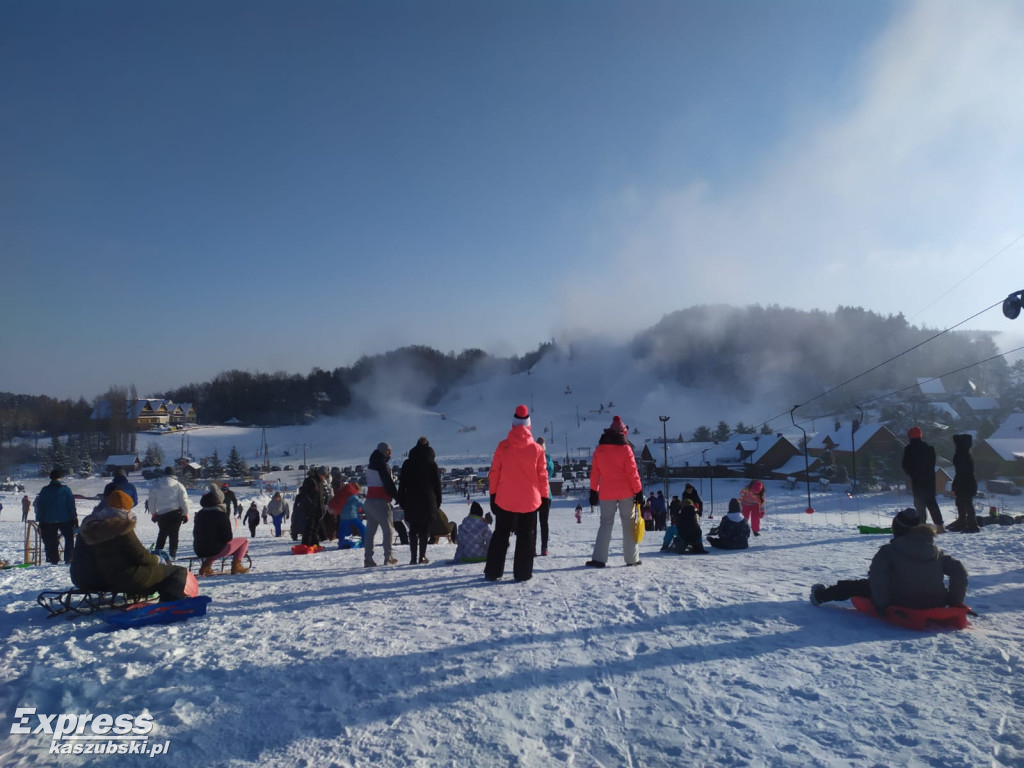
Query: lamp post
[[854, 424], [664, 446]]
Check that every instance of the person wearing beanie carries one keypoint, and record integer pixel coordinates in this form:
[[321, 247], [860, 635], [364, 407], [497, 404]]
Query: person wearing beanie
[[909, 571], [120, 483], [474, 537], [615, 485], [168, 505], [57, 518], [733, 532], [311, 505], [380, 492], [518, 485], [278, 511], [230, 500], [211, 534], [752, 504], [419, 491], [919, 464], [123, 564], [965, 486]]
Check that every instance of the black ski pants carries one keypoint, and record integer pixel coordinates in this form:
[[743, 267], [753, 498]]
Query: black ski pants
[[169, 524], [524, 525]]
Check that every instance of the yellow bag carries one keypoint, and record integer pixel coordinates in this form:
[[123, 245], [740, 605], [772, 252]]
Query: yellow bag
[[639, 527]]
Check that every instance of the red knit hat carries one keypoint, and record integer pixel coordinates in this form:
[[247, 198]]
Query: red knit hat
[[521, 417], [915, 433], [618, 426]]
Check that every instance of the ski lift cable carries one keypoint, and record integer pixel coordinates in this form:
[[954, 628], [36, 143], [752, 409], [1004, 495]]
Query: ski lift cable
[[956, 285]]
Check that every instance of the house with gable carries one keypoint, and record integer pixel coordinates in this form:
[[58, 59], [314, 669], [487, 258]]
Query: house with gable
[[851, 444], [1002, 453]]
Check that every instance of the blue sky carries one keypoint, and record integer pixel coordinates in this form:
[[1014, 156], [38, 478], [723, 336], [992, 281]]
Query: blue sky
[[188, 187]]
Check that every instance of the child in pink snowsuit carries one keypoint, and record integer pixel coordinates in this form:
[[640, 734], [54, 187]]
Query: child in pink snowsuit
[[752, 505], [579, 514]]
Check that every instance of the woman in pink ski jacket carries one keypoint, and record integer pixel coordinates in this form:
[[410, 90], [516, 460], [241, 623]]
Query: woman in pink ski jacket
[[752, 504]]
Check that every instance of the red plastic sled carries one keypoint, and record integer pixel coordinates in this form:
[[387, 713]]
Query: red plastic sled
[[950, 617], [302, 549]]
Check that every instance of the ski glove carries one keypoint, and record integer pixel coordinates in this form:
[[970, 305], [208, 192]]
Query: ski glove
[[594, 499]]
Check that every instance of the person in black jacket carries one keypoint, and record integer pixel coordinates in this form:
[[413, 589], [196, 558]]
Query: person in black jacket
[[965, 486], [211, 534], [919, 464], [689, 492], [419, 493], [689, 535], [311, 504], [733, 532]]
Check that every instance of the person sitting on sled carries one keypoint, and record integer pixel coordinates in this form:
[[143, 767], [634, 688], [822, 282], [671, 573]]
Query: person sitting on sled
[[123, 564], [211, 534], [733, 532], [684, 536], [909, 572]]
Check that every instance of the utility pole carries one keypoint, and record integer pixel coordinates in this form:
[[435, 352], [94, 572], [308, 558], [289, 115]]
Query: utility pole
[[664, 446]]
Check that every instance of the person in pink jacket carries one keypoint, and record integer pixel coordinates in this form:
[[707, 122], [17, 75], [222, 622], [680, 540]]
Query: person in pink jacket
[[518, 483], [615, 484], [752, 504]]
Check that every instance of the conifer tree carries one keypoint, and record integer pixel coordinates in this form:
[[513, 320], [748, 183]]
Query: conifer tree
[[237, 466]]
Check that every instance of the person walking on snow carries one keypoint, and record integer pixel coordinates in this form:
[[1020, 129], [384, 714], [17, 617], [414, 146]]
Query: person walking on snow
[[168, 506], [252, 518], [919, 464], [615, 485], [752, 504], [419, 493], [518, 484], [543, 515], [278, 511]]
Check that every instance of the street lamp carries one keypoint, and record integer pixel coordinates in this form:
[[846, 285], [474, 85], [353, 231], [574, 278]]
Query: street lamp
[[664, 446]]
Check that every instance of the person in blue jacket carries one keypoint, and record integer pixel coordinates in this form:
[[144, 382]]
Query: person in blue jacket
[[57, 516], [733, 532], [121, 483]]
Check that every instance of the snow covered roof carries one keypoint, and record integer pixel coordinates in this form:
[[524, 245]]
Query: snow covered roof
[[122, 460], [1012, 427], [842, 439], [947, 409], [981, 403], [931, 386], [1008, 448]]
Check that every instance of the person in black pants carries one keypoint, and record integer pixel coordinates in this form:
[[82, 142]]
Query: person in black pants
[[919, 464]]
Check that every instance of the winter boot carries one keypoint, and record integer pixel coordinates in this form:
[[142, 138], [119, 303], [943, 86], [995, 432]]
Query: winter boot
[[816, 595], [940, 528], [970, 522], [206, 569], [237, 567], [957, 525]]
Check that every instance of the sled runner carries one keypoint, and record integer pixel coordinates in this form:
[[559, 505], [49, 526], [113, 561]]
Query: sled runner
[[79, 603], [159, 613], [950, 617]]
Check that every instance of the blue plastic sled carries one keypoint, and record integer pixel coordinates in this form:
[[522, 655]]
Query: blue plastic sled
[[158, 613]]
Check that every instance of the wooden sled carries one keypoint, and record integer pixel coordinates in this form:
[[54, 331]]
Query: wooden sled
[[943, 617], [77, 602]]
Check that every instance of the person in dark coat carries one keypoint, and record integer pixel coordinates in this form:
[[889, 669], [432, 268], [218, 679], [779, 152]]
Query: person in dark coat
[[124, 564], [57, 517], [919, 464], [252, 518], [85, 573], [311, 504], [909, 572], [733, 532], [965, 486], [230, 499], [689, 492], [120, 483], [689, 535], [419, 494], [211, 534]]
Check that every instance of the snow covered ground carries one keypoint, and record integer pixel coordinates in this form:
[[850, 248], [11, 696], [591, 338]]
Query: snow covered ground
[[703, 660]]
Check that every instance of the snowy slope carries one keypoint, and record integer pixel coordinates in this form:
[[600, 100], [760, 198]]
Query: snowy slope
[[714, 660]]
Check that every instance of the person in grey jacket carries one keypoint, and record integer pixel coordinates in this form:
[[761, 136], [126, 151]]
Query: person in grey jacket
[[909, 571]]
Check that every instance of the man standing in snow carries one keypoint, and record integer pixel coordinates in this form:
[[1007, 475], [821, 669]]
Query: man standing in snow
[[919, 464], [380, 492], [26, 505], [518, 483], [168, 504], [57, 516]]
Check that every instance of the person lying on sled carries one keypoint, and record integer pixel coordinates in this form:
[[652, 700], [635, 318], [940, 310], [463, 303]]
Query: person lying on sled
[[909, 571]]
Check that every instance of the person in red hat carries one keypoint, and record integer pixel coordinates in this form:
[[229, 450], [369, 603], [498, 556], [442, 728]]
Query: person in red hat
[[615, 485], [518, 483], [919, 464]]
